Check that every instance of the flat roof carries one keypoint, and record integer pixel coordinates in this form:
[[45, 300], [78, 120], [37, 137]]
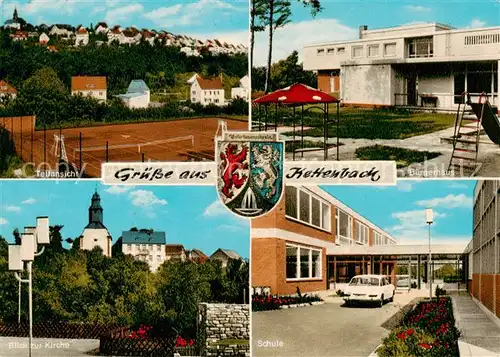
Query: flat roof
[[399, 249]]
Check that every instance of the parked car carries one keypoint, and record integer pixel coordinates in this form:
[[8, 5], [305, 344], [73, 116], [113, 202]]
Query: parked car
[[369, 288]]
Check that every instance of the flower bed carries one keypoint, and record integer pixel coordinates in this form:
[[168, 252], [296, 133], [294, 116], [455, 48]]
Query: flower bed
[[427, 330], [275, 302]]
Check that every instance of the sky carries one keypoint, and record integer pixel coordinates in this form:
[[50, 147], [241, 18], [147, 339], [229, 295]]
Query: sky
[[223, 19], [400, 210], [192, 216], [340, 20]]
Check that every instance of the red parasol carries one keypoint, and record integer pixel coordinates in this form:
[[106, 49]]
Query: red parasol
[[296, 94]]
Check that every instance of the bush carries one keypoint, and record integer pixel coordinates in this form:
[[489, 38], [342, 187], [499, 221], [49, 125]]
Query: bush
[[274, 302], [427, 330], [340, 293], [440, 291]]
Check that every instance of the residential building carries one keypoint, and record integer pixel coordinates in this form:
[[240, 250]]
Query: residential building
[[197, 255], [224, 256], [6, 90], [484, 255], [19, 36], [137, 96], [144, 245], [207, 91], [89, 86], [243, 91], [44, 39], [82, 37], [175, 252], [190, 51], [95, 233], [116, 34], [60, 31], [427, 65], [101, 27]]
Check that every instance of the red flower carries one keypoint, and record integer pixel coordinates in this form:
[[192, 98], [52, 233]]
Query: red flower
[[425, 345], [410, 331]]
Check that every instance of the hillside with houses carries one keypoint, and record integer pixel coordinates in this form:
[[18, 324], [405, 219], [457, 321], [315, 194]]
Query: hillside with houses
[[75, 75], [103, 34]]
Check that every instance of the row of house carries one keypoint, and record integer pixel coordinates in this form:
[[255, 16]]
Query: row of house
[[144, 245], [127, 36], [138, 95]]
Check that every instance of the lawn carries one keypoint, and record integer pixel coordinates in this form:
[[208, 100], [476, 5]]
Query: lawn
[[306, 146], [358, 123], [403, 157]]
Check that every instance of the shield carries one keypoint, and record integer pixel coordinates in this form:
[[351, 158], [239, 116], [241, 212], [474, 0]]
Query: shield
[[250, 171]]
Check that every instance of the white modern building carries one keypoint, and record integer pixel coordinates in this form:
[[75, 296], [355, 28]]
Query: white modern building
[[137, 96], [243, 90], [207, 91], [428, 65], [147, 246], [95, 233], [44, 39]]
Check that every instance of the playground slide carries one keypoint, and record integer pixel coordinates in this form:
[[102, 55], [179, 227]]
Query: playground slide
[[490, 122]]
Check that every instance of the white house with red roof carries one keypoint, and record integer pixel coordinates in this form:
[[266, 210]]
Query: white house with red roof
[[6, 90], [243, 90], [102, 27], [207, 91], [82, 37]]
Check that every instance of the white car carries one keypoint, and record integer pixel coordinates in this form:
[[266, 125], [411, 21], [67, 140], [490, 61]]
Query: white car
[[369, 288]]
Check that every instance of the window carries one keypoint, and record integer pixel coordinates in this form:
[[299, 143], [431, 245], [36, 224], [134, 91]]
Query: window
[[291, 262], [362, 232], [344, 228], [194, 92], [101, 94], [373, 51], [330, 51], [307, 208], [291, 201], [303, 262], [357, 52], [216, 100], [420, 47], [158, 257], [390, 49], [304, 207], [378, 239], [341, 50], [320, 52]]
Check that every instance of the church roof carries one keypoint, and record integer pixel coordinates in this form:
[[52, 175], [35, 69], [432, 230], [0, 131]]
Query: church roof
[[138, 237], [95, 225]]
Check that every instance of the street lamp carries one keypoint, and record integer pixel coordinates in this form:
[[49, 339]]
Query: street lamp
[[26, 253], [429, 219]]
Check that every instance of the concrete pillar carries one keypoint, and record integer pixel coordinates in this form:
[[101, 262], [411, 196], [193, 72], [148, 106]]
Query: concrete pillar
[[498, 85], [418, 272]]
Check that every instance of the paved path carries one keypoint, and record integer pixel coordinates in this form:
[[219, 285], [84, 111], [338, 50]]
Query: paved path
[[323, 330], [477, 330], [489, 154], [44, 347]]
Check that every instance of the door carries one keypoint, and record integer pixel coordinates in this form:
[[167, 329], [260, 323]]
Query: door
[[411, 88]]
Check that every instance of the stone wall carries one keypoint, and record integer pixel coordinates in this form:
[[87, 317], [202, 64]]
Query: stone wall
[[218, 323]]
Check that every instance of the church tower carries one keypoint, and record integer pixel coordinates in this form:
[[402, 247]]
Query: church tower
[[96, 233], [15, 17]]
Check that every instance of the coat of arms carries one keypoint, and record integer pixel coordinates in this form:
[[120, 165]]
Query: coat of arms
[[250, 171]]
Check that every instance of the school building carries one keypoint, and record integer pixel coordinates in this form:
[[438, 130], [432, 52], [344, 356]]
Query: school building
[[314, 242]]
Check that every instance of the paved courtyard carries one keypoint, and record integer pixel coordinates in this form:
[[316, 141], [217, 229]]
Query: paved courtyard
[[489, 154], [44, 347], [323, 330]]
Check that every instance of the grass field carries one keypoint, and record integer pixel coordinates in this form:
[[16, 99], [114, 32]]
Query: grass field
[[360, 123], [403, 157]]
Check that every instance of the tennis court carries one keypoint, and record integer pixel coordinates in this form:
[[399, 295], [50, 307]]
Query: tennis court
[[88, 147]]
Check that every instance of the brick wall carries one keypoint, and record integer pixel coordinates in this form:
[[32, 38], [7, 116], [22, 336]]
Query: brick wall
[[277, 219], [269, 268], [497, 302], [486, 297]]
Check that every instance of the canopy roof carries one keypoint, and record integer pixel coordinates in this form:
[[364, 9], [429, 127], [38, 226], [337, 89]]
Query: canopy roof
[[296, 94]]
